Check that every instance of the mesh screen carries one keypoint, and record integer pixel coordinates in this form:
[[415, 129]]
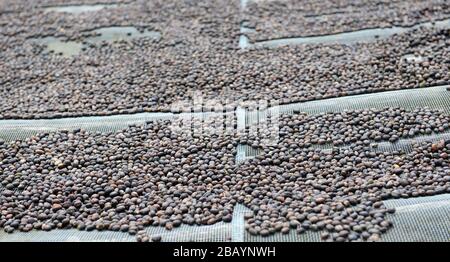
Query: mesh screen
[[417, 219]]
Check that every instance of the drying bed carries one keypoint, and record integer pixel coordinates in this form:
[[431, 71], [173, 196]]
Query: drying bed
[[176, 20], [401, 178], [363, 35], [269, 158], [162, 62], [118, 174], [337, 191], [109, 181], [265, 122], [123, 78], [424, 219], [239, 229], [291, 18], [387, 124]]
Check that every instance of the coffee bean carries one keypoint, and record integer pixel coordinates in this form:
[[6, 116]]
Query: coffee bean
[[156, 238]]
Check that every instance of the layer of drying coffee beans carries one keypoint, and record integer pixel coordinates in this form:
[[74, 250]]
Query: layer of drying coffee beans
[[350, 126], [293, 18], [159, 175], [198, 23], [338, 192], [144, 76], [144, 175], [26, 5]]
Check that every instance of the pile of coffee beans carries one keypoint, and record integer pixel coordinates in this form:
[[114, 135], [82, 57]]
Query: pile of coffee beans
[[293, 18], [350, 126], [338, 192], [144, 175]]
